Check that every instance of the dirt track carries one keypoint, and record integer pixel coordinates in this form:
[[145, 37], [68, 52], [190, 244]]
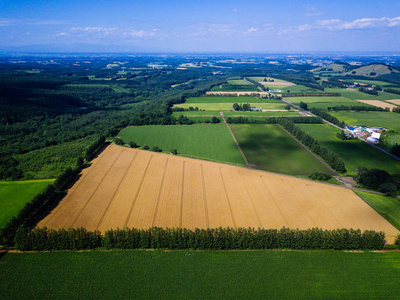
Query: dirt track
[[135, 188]]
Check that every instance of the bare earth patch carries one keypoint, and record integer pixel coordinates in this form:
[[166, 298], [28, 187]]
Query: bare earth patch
[[135, 188], [378, 103]]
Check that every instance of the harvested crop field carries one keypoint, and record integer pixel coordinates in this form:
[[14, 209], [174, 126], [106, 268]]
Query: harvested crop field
[[394, 101], [134, 188], [378, 103]]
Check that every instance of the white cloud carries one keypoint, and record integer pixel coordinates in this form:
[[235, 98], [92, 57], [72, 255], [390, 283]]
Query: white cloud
[[45, 22], [314, 14], [7, 22], [251, 30], [336, 24], [235, 10], [103, 32]]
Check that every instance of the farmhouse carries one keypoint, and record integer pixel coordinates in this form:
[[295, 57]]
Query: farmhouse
[[372, 135]]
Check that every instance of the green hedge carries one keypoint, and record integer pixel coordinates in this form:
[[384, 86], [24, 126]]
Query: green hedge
[[202, 239]]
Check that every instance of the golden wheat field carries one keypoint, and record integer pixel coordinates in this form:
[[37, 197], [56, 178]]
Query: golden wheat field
[[133, 188], [378, 103]]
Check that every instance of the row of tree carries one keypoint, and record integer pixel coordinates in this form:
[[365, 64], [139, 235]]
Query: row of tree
[[202, 239], [311, 94], [241, 107], [331, 158], [256, 83], [273, 120], [327, 117], [358, 108]]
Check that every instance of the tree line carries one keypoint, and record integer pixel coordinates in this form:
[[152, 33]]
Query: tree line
[[43, 239], [273, 120], [358, 108], [311, 95], [327, 117]]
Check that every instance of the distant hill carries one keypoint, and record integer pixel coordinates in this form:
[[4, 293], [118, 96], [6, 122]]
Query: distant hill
[[337, 67], [373, 70]]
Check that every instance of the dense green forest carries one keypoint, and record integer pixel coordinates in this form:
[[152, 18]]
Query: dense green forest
[[51, 110]]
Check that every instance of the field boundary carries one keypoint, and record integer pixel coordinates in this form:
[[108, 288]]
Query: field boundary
[[236, 142]]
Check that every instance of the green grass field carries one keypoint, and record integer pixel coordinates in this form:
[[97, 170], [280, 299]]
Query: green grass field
[[239, 82], [300, 89], [241, 99], [14, 195], [355, 153], [356, 95], [372, 82], [258, 114], [207, 141], [200, 275], [268, 147], [324, 102], [370, 118], [388, 207], [227, 106]]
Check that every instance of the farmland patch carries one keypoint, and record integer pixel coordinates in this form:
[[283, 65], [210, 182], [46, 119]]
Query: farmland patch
[[134, 188]]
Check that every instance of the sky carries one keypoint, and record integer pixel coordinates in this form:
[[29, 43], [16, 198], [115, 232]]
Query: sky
[[201, 26]]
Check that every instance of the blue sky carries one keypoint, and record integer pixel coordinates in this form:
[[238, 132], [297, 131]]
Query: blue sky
[[204, 26]]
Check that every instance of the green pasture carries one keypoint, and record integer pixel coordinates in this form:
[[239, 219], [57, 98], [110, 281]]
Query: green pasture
[[269, 147], [207, 141], [120, 89], [370, 118], [143, 274], [94, 85], [324, 102], [261, 79], [258, 114], [371, 82], [327, 99], [239, 82], [300, 89], [356, 95], [222, 99], [227, 106], [392, 139], [355, 153], [387, 207], [14, 195]]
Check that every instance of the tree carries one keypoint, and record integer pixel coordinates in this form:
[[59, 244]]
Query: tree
[[118, 141], [174, 151], [156, 149], [389, 189], [146, 147], [132, 144], [303, 105], [215, 120], [287, 107]]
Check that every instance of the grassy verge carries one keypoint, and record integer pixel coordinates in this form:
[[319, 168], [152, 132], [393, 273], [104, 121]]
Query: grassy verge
[[14, 195], [200, 275]]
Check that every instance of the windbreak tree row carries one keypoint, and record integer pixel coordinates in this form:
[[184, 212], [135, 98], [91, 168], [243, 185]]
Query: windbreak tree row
[[201, 239]]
